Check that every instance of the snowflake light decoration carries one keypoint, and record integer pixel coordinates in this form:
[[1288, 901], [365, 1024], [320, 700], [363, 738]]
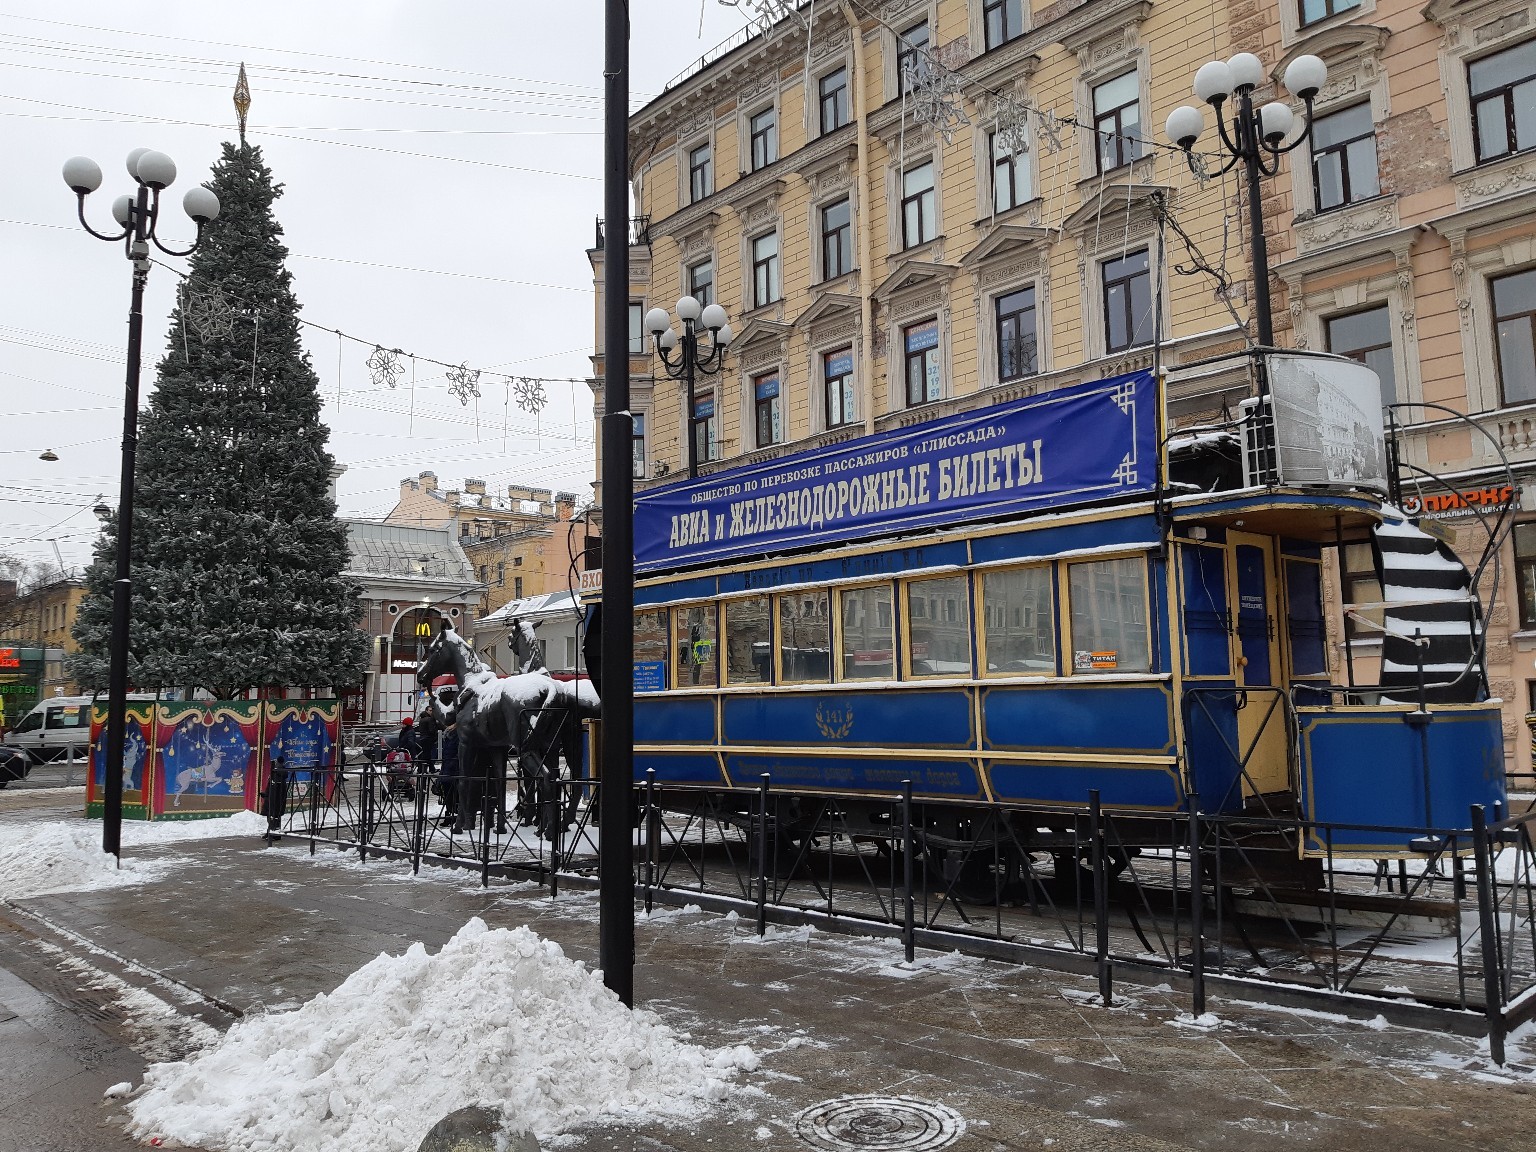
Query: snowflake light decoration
[[1049, 126], [764, 14], [464, 383], [1013, 128], [936, 97], [385, 366], [207, 311], [530, 395]]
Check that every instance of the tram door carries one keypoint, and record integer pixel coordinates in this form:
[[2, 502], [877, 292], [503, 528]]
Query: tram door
[[1254, 594]]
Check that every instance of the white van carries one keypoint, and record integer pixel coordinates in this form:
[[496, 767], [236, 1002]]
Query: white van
[[60, 726]]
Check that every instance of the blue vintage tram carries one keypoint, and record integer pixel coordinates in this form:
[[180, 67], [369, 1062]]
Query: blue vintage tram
[[1015, 605]]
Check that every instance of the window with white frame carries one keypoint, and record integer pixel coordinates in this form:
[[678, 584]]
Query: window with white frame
[[1117, 120], [637, 444], [701, 281], [767, 409], [701, 173], [1003, 20], [833, 91], [636, 328], [837, 386], [763, 130], [911, 56], [1366, 336], [836, 239], [1312, 11], [920, 347], [1344, 167], [919, 212], [1017, 336], [765, 269], [1514, 318], [1010, 175], [704, 424], [1502, 88], [1127, 287]]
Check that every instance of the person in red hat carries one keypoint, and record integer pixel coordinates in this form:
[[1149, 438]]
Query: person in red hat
[[407, 741]]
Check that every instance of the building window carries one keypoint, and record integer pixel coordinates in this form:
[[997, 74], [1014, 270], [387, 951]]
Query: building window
[[765, 269], [921, 344], [765, 401], [837, 375], [636, 328], [1010, 175], [1117, 120], [1525, 574], [705, 444], [517, 587], [701, 282], [1503, 91], [764, 131], [1127, 301], [1367, 337], [912, 56], [836, 239], [1344, 157], [834, 100], [1314, 10], [701, 174], [1004, 20], [1361, 585], [637, 443], [1514, 317], [501, 573], [482, 573], [918, 216], [1017, 340]]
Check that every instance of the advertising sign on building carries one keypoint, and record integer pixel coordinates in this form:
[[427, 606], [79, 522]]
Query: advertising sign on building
[[1445, 505], [1090, 442]]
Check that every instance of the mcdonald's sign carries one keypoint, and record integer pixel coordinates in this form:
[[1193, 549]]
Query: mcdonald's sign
[[424, 628]]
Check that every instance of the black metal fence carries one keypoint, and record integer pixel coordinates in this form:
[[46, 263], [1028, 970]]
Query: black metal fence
[[1445, 939]]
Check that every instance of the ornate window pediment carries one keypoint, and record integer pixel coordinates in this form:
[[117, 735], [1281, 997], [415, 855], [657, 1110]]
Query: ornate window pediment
[[913, 275], [833, 316], [1004, 241], [761, 342], [1118, 209]]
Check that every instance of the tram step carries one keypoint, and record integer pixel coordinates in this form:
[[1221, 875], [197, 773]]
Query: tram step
[[1351, 909]]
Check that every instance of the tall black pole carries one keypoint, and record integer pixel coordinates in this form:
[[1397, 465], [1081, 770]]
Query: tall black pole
[[122, 587], [1248, 141], [616, 886], [690, 351]]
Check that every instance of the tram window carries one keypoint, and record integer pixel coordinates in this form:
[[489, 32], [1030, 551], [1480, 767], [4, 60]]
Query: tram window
[[866, 640], [696, 663], [650, 650], [939, 627], [1304, 604], [748, 641], [1109, 615], [1019, 621], [1362, 585], [805, 641]]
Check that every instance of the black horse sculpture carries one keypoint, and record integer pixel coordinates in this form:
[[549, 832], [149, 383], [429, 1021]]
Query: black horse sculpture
[[490, 718]]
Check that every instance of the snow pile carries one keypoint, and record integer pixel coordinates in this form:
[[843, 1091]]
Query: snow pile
[[497, 1018], [66, 855]]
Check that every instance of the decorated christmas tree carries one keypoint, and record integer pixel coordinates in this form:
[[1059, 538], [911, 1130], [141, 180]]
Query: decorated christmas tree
[[237, 553]]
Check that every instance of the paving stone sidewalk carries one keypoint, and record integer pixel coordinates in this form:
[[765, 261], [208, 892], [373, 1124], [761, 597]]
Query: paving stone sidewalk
[[1026, 1057]]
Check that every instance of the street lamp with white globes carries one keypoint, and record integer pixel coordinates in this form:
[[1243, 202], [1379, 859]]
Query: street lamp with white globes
[[1256, 138], [690, 356], [138, 216]]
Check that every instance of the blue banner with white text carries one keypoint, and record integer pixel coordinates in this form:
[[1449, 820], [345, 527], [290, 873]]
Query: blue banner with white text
[[1077, 445]]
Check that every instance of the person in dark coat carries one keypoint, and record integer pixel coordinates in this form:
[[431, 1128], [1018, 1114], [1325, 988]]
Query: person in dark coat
[[276, 799], [449, 775], [426, 738], [407, 741]]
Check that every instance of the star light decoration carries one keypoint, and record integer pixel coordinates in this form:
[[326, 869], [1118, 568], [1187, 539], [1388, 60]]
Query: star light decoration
[[385, 366], [530, 394], [1013, 131], [764, 14], [464, 383], [206, 310], [935, 92]]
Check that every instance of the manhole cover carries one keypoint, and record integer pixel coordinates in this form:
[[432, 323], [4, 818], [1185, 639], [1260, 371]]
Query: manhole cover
[[888, 1123]]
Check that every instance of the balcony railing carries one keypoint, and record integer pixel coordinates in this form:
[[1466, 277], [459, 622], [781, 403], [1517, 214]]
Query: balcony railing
[[639, 231]]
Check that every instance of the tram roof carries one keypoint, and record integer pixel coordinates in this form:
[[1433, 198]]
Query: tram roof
[[1315, 515]]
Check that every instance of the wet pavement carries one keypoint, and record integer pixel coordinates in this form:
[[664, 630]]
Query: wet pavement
[[962, 1052]]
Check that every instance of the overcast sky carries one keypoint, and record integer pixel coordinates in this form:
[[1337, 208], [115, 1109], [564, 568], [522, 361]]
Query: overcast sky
[[442, 164]]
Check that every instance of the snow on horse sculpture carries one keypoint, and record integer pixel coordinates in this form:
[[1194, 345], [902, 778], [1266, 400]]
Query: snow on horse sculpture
[[490, 718]]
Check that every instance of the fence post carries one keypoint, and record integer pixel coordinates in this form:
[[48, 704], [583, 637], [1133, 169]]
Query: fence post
[[423, 782], [316, 780], [908, 932], [762, 855], [650, 835], [1100, 899], [1487, 893], [365, 813], [556, 829], [1196, 909]]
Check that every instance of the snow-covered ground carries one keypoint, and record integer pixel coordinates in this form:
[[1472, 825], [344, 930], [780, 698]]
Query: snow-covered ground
[[498, 1017]]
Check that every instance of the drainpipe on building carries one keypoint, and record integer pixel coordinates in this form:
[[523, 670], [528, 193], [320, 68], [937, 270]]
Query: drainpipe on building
[[866, 267]]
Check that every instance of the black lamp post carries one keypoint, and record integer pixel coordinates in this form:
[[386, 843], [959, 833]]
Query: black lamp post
[[1255, 138], [690, 356], [138, 216]]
